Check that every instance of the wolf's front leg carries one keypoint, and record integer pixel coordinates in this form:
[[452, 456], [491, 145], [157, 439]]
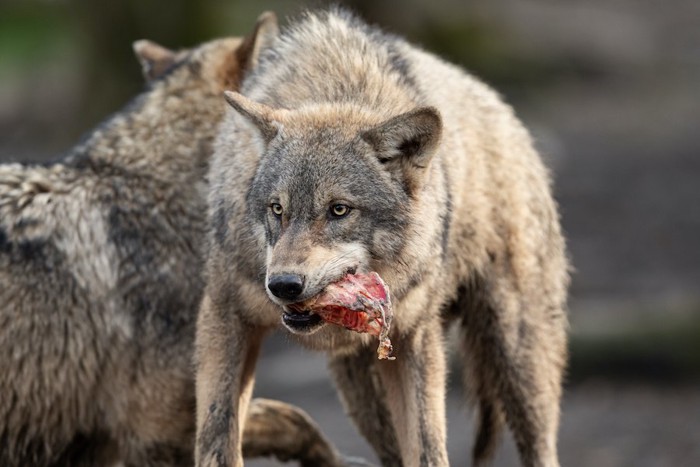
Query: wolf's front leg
[[364, 398], [415, 391], [226, 352]]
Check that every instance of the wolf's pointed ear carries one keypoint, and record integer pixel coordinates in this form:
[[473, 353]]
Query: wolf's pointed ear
[[155, 59], [410, 137], [264, 33], [259, 114]]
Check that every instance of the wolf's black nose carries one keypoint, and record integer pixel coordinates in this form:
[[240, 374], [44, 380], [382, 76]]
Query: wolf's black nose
[[286, 286]]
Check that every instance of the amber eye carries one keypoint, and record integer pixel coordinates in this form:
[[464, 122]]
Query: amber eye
[[276, 209], [339, 210]]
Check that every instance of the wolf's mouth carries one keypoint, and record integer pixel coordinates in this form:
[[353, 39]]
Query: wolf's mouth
[[301, 321], [358, 302]]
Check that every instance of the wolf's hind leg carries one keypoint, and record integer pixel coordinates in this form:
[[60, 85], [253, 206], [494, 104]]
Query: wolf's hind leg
[[490, 427], [480, 380], [364, 399], [517, 355]]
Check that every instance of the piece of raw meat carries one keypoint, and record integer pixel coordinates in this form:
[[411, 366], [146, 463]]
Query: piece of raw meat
[[359, 302]]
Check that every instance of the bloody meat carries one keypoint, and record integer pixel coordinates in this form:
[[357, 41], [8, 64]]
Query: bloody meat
[[359, 302]]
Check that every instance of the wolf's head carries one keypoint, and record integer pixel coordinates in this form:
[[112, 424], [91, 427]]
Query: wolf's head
[[168, 129], [221, 62], [333, 192]]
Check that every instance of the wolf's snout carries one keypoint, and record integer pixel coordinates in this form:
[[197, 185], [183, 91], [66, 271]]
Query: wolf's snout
[[286, 286]]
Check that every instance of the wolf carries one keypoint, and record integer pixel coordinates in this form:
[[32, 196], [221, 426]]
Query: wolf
[[349, 150], [101, 259]]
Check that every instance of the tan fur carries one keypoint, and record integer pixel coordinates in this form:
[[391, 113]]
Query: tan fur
[[451, 205], [100, 266]]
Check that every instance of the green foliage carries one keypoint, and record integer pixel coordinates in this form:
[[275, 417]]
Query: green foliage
[[29, 36]]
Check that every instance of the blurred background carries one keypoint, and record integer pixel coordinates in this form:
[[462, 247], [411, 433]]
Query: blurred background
[[611, 93]]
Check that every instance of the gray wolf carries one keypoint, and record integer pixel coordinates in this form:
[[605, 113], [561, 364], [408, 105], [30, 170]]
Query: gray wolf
[[101, 257], [348, 151]]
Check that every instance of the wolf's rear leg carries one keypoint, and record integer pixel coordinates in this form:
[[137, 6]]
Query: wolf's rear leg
[[364, 399], [480, 382], [517, 355], [489, 429]]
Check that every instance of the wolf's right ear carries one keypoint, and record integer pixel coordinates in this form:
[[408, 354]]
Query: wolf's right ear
[[264, 34], [407, 138], [259, 114], [154, 58]]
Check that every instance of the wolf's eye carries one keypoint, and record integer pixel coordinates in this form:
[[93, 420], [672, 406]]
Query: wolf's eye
[[339, 210], [276, 209]]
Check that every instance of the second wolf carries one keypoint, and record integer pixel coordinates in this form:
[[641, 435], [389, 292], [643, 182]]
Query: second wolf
[[354, 151], [101, 256]]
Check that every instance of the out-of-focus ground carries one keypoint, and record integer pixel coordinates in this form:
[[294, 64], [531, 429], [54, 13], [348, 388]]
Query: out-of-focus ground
[[603, 424], [611, 92]]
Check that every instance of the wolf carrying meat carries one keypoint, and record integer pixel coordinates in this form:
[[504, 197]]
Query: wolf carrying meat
[[351, 152]]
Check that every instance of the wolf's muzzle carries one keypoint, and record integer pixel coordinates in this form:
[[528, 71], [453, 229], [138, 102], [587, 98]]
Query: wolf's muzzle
[[286, 286]]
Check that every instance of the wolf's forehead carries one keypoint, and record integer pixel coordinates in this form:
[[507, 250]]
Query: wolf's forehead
[[318, 154], [317, 173], [324, 174], [308, 137]]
